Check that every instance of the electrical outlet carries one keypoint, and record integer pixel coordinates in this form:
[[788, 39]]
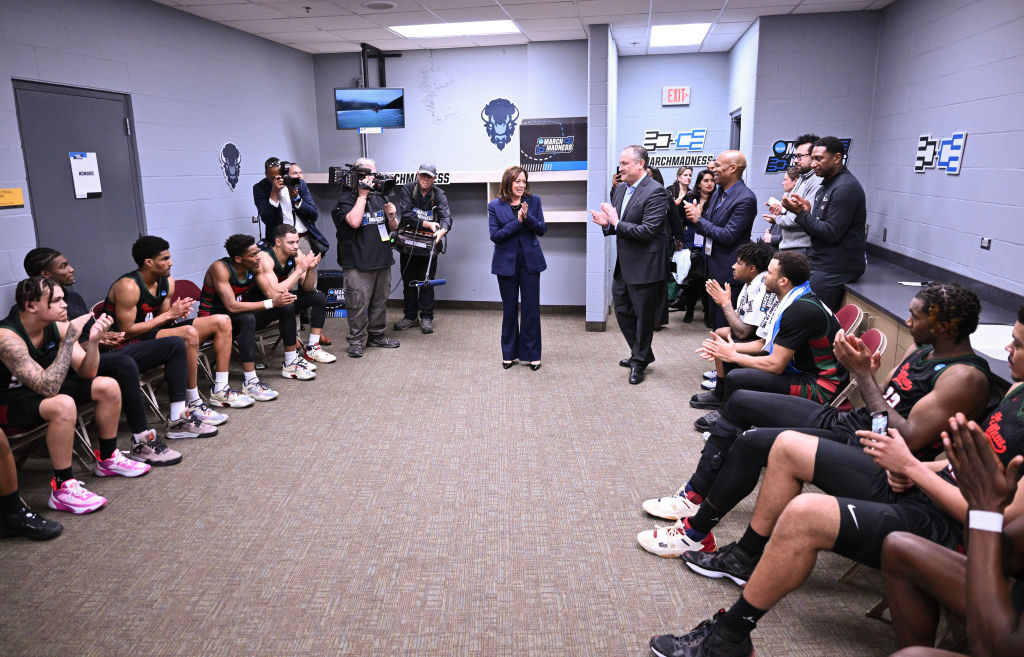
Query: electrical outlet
[[885, 234], [986, 243]]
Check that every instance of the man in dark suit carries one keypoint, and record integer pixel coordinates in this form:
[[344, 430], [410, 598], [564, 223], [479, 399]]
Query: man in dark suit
[[636, 217], [278, 203], [726, 224]]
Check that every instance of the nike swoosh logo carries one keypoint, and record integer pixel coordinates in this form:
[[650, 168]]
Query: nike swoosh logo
[[854, 515]]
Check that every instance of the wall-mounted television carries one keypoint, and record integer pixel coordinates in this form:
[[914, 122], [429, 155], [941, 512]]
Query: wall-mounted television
[[369, 108]]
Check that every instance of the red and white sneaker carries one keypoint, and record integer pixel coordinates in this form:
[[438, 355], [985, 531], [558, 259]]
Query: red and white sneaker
[[72, 496], [672, 542], [675, 507], [119, 464]]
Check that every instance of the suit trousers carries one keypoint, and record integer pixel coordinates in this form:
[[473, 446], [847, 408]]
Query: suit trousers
[[828, 287], [366, 297], [417, 301], [520, 328], [636, 310]]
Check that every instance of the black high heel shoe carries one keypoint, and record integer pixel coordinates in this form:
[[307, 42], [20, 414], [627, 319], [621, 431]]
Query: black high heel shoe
[[507, 364], [535, 366]]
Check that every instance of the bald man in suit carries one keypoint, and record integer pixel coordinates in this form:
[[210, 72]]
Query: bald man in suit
[[728, 219], [636, 216]]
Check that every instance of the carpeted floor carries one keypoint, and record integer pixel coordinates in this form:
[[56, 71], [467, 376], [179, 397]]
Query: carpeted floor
[[418, 501]]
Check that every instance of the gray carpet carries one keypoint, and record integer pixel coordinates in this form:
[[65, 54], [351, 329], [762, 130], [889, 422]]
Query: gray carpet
[[418, 501]]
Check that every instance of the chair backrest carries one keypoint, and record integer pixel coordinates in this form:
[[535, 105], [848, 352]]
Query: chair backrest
[[850, 317], [874, 340], [184, 288], [97, 309]]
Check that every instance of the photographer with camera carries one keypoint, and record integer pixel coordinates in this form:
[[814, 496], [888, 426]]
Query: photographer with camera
[[364, 219], [283, 198], [423, 208]]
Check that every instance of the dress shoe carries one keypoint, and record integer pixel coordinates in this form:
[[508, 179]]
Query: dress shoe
[[535, 366], [325, 341], [624, 362], [708, 400], [507, 364], [636, 374], [688, 317]]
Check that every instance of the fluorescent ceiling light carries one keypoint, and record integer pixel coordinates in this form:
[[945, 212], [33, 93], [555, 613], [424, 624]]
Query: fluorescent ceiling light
[[472, 28], [691, 34]]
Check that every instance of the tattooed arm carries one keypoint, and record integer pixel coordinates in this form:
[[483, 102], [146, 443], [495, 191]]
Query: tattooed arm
[[14, 354]]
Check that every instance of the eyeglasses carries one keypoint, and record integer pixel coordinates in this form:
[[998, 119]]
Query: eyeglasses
[[800, 156]]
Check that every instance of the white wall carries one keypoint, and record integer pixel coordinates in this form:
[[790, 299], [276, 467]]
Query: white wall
[[194, 86], [445, 92], [945, 66]]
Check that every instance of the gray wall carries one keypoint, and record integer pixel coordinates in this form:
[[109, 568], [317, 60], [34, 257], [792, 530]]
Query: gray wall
[[194, 85], [445, 92], [946, 66]]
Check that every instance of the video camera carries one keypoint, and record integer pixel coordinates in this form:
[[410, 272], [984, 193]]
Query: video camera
[[352, 178]]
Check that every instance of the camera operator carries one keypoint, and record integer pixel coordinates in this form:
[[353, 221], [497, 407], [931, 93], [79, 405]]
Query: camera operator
[[283, 198], [365, 220], [422, 206]]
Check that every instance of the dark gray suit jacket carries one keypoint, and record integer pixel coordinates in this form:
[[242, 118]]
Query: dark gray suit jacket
[[641, 232]]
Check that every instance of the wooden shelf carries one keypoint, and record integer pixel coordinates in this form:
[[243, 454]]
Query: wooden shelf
[[481, 177]]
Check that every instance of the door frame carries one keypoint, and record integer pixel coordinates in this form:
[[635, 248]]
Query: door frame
[[133, 150]]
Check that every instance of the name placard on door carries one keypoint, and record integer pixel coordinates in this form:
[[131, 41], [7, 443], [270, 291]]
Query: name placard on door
[[85, 173]]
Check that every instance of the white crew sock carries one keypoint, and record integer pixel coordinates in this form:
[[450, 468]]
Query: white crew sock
[[220, 381], [177, 409], [192, 394], [289, 358], [250, 377], [314, 339]]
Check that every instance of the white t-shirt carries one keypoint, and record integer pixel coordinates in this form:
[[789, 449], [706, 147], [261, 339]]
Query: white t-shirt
[[288, 216], [756, 304]]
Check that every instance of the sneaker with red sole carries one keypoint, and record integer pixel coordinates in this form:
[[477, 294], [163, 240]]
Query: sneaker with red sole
[[119, 465], [674, 507], [672, 542], [72, 496]]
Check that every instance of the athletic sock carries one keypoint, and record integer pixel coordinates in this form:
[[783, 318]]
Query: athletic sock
[[741, 619], [107, 448], [720, 387], [250, 377], [313, 340], [220, 381], [60, 476], [752, 542], [177, 408], [706, 518], [192, 394], [692, 533], [290, 358], [10, 503], [691, 493]]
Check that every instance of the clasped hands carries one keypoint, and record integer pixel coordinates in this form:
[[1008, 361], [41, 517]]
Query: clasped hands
[[606, 216], [724, 349]]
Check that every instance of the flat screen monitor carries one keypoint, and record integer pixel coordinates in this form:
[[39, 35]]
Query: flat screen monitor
[[369, 108]]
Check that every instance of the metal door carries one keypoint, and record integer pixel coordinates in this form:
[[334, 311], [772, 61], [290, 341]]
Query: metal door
[[95, 234]]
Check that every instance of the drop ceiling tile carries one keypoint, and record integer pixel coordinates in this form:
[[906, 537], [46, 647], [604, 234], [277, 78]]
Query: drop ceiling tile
[[723, 42], [695, 5], [682, 17], [557, 35], [617, 19], [546, 10], [343, 22], [234, 12], [602, 7], [757, 4], [317, 8], [733, 15], [356, 6], [193, 3], [358, 36], [454, 4], [551, 24], [317, 36], [729, 28], [404, 18], [827, 7], [499, 40], [445, 42], [491, 13], [274, 25]]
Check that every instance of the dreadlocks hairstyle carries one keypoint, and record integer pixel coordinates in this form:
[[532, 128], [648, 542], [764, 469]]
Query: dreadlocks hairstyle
[[32, 289], [953, 305], [757, 254]]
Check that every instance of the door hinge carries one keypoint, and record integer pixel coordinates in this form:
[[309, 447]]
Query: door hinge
[[127, 127]]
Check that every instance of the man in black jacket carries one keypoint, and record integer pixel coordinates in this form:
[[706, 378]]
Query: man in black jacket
[[836, 225], [423, 206]]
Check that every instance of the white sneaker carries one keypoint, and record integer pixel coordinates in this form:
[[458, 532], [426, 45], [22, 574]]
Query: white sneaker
[[709, 384], [228, 396], [297, 371], [672, 542], [259, 391], [672, 507], [206, 415], [317, 353], [305, 363]]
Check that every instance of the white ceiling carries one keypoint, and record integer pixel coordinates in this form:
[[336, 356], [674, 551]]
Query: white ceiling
[[330, 26]]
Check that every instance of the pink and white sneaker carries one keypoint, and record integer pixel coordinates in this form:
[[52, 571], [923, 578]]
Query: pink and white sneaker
[[72, 496], [118, 464]]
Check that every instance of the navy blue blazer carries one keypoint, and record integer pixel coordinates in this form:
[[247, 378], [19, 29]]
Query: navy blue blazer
[[272, 216], [507, 234], [729, 227]]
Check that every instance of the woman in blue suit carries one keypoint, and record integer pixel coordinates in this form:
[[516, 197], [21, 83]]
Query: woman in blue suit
[[516, 221]]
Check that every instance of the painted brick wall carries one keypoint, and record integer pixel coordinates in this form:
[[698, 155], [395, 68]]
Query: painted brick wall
[[945, 66], [194, 86]]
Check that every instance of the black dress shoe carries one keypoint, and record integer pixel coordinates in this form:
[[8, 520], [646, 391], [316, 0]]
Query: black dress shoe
[[624, 362], [508, 364], [688, 317], [535, 366], [708, 400], [636, 374]]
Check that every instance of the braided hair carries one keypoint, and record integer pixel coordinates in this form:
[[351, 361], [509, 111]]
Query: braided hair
[[953, 305]]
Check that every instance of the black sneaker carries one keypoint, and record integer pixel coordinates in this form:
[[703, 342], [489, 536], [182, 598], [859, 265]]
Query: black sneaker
[[730, 561], [382, 341], [25, 523], [708, 400], [706, 421], [427, 325], [705, 640], [355, 350]]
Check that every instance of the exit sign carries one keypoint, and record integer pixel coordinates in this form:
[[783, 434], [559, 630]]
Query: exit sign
[[675, 95]]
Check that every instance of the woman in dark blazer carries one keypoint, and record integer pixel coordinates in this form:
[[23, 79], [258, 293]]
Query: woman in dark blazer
[[516, 221]]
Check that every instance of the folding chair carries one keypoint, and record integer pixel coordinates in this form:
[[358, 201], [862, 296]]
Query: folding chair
[[850, 316], [876, 343]]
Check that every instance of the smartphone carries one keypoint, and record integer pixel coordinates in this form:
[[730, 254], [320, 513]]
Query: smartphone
[[880, 422]]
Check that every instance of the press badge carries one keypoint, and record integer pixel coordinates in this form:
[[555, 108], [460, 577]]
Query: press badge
[[377, 219], [424, 215]]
